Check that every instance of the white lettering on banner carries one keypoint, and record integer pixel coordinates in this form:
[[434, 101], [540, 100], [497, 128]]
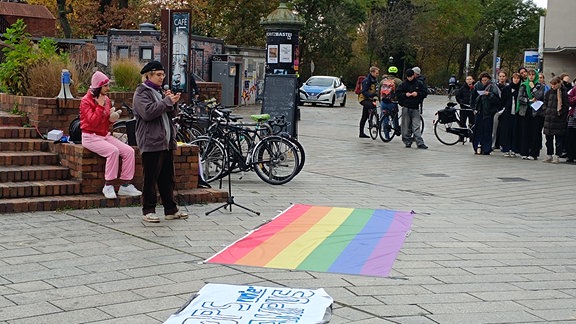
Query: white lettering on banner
[[254, 305], [279, 34], [250, 295], [181, 22]]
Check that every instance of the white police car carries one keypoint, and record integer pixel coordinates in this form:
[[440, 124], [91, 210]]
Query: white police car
[[321, 89]]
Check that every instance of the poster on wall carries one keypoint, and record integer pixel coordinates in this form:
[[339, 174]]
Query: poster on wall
[[180, 45], [285, 53], [531, 59], [272, 54]]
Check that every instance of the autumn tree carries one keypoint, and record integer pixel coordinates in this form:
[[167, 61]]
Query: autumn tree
[[328, 33], [238, 21], [390, 27]]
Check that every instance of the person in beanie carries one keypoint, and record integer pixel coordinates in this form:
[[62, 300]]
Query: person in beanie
[[96, 115], [154, 109], [410, 94]]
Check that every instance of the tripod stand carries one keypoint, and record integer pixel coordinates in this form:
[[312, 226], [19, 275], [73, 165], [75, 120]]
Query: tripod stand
[[230, 200]]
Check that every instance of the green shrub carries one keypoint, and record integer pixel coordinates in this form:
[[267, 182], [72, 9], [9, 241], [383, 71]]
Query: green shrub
[[22, 57], [126, 74]]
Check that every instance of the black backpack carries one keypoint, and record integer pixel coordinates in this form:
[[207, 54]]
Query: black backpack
[[75, 131]]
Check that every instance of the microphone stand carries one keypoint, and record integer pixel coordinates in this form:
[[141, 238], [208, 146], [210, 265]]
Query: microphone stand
[[230, 200]]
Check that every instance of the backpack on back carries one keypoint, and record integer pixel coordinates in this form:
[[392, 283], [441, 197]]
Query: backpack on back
[[388, 90], [358, 89]]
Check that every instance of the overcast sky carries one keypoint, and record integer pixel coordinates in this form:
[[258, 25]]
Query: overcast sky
[[541, 3]]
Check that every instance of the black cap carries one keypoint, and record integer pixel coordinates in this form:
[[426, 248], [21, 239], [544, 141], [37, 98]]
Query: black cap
[[409, 73], [152, 66]]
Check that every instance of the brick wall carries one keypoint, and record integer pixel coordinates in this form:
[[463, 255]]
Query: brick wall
[[88, 167], [45, 113]]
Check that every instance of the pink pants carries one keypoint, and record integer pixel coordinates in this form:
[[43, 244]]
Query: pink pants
[[111, 148]]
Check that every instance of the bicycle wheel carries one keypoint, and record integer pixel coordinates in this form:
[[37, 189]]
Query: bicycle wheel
[[238, 149], [421, 123], [387, 130], [213, 157], [275, 160], [300, 151], [444, 136], [119, 131], [373, 125]]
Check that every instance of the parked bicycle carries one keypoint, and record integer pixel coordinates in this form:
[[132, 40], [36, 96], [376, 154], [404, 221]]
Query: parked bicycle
[[374, 122], [447, 126], [228, 146]]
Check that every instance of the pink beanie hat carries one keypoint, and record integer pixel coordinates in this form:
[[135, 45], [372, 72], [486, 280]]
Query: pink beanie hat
[[99, 79]]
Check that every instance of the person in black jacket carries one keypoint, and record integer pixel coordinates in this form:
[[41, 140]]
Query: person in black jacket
[[486, 102], [463, 95], [410, 94], [507, 134], [368, 96]]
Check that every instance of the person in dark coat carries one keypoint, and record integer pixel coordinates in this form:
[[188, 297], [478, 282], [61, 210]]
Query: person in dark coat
[[555, 119], [486, 101], [410, 95], [463, 95], [508, 123]]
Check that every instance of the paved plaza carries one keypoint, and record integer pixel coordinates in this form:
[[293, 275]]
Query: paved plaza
[[493, 239]]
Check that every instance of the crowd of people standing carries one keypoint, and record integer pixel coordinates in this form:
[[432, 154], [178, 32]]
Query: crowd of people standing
[[511, 115]]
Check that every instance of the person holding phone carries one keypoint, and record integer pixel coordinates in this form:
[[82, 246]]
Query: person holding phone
[[154, 109]]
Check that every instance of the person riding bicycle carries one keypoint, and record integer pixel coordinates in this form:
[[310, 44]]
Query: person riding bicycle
[[367, 96], [388, 99], [452, 84]]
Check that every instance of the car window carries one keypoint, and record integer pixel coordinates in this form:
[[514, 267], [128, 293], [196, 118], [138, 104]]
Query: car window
[[320, 82]]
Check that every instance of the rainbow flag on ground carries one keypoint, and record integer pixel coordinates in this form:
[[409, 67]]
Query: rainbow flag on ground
[[327, 239]]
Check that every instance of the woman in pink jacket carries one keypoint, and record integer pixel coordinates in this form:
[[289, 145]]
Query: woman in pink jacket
[[96, 115]]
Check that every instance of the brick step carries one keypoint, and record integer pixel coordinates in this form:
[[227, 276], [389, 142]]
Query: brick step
[[18, 132], [8, 119], [39, 188], [11, 158], [51, 203], [24, 144], [33, 173]]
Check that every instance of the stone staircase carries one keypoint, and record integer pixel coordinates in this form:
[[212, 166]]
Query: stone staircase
[[33, 176]]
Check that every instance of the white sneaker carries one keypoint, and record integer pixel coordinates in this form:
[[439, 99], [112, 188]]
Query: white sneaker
[[129, 190], [109, 192], [555, 159], [151, 218]]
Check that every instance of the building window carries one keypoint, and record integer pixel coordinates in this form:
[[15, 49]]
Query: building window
[[146, 53], [123, 52]]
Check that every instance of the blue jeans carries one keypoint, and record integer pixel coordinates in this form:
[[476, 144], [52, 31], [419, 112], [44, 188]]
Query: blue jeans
[[389, 107]]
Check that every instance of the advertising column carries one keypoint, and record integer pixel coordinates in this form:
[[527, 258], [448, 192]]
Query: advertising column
[[282, 52]]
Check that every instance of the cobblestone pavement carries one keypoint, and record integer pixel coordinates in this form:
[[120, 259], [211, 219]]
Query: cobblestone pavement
[[493, 239]]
